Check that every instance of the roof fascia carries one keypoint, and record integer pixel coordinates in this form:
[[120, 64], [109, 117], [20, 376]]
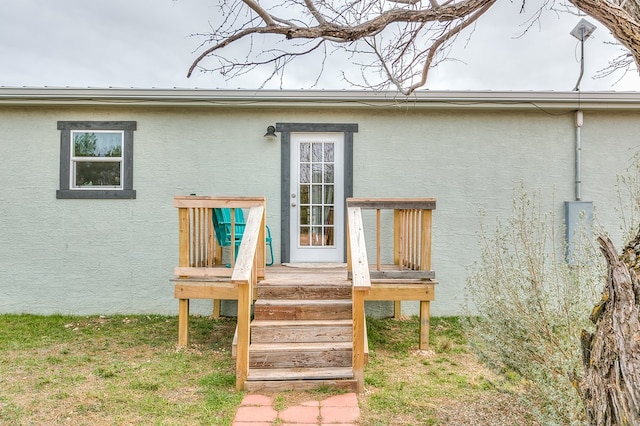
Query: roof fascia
[[425, 99]]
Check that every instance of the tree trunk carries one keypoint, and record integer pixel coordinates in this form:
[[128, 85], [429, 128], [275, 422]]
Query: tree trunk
[[610, 386]]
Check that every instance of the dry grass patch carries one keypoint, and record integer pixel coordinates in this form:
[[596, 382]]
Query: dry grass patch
[[127, 370], [443, 386], [115, 370]]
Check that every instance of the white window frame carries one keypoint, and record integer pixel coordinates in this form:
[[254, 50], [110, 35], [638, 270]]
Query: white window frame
[[77, 159]]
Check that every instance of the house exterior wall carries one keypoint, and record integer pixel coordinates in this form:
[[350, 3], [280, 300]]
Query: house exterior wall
[[116, 256]]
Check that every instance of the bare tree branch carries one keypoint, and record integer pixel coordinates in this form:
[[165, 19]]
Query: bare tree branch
[[439, 42], [395, 41], [407, 34], [266, 17], [314, 12]]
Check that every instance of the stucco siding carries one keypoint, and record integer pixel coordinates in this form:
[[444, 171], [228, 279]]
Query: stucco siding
[[107, 256], [469, 162], [610, 141]]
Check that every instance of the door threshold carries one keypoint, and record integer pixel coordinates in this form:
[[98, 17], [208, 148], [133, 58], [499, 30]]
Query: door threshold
[[317, 265]]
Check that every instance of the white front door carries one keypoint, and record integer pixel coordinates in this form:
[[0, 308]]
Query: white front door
[[317, 197]]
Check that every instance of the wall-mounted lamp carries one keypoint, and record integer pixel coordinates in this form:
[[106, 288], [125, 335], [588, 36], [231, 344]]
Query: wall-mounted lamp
[[271, 133]]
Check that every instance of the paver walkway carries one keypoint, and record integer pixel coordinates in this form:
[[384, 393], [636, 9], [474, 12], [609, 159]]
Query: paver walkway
[[338, 410]]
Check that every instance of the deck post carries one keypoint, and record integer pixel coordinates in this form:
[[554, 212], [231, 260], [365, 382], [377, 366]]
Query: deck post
[[348, 247], [359, 336], [425, 264], [183, 322], [396, 236], [244, 318], [183, 237], [397, 309], [183, 260], [262, 247], [216, 309], [425, 243], [424, 324]]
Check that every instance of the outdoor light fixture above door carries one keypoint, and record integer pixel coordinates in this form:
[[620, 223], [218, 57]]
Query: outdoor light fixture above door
[[271, 133]]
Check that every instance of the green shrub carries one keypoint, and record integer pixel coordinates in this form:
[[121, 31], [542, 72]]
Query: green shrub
[[527, 307]]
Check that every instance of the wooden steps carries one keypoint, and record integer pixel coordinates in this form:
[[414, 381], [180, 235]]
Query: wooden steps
[[301, 336], [291, 331], [301, 309], [327, 373], [280, 379], [303, 292], [299, 355]]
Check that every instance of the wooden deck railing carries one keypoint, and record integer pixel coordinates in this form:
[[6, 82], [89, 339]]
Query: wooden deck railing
[[411, 235], [245, 277], [202, 274], [409, 277], [361, 282], [200, 255]]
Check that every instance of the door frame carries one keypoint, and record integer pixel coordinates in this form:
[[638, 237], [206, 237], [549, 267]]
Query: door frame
[[285, 130]]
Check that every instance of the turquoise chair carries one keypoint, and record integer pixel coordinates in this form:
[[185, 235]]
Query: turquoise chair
[[222, 225]]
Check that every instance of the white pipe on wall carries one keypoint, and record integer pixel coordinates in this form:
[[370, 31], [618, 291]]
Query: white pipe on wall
[[579, 120]]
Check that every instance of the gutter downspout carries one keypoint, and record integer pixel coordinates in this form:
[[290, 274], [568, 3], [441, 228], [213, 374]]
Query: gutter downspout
[[579, 120]]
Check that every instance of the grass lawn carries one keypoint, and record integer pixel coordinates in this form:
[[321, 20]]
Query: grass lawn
[[121, 370]]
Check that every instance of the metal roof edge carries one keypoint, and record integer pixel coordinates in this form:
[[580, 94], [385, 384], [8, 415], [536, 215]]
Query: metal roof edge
[[319, 98]]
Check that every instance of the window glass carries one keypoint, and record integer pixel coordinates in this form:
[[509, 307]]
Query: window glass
[[328, 152], [304, 152], [305, 171], [96, 174], [304, 194], [97, 144], [317, 152], [97, 159], [317, 173], [328, 173]]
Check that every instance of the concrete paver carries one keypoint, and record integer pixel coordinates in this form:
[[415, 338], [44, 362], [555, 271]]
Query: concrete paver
[[300, 414], [256, 414], [339, 414], [337, 410], [342, 400], [257, 400]]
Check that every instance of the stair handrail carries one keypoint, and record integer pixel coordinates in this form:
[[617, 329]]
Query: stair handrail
[[361, 284], [245, 277]]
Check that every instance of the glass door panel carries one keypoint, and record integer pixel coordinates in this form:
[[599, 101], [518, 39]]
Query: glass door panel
[[317, 158]]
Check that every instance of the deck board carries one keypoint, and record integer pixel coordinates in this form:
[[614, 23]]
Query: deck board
[[280, 275], [286, 275]]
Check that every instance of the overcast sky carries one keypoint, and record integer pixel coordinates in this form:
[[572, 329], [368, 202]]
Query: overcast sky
[[147, 43]]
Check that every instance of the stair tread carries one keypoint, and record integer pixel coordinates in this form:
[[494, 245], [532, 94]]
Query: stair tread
[[301, 323], [297, 283], [308, 346], [300, 373], [350, 385]]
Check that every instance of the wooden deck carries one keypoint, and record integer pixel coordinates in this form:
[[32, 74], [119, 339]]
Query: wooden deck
[[302, 331], [309, 320], [382, 289]]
